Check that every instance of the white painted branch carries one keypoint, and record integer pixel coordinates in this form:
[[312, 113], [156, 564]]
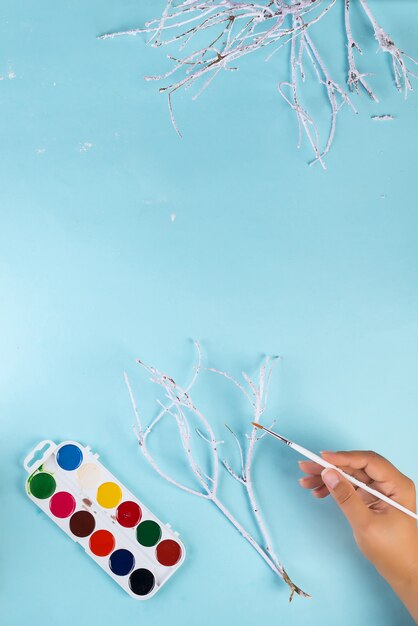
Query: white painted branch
[[257, 404], [202, 436], [231, 471], [143, 435], [232, 379], [240, 452], [247, 536], [386, 44], [180, 404], [333, 90], [354, 77]]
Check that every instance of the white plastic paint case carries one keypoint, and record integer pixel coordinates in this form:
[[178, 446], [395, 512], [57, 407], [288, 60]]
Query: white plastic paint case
[[157, 558]]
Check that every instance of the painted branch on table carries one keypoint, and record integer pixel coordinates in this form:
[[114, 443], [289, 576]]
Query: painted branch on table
[[236, 29], [182, 411]]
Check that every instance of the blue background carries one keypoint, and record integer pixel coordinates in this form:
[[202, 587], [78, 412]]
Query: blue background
[[266, 255]]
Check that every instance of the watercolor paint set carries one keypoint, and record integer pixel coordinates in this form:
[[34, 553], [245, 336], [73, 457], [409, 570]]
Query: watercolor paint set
[[95, 509]]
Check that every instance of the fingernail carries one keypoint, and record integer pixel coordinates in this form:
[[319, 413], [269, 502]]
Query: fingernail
[[300, 462], [331, 478], [301, 481]]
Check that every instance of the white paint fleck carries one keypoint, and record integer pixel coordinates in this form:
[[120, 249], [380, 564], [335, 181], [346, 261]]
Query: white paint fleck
[[10, 75], [41, 150], [173, 217], [85, 146]]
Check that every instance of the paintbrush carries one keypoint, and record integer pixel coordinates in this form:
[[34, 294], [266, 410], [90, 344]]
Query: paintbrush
[[317, 459]]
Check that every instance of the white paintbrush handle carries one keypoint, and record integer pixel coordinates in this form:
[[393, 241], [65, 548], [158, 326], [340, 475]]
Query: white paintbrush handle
[[317, 459]]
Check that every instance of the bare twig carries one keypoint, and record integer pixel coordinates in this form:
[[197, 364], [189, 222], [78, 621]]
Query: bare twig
[[181, 409]]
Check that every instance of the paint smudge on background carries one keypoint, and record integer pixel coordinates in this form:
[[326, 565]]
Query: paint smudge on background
[[85, 146], [10, 75]]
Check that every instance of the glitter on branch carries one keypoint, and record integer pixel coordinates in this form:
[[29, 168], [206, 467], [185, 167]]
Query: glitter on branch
[[192, 425], [236, 29]]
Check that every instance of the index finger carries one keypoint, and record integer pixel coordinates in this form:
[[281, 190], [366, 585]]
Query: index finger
[[310, 467]]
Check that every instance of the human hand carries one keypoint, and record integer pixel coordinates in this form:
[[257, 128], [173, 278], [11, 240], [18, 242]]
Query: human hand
[[385, 535]]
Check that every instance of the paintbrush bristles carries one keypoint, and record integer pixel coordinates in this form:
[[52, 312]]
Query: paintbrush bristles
[[257, 425]]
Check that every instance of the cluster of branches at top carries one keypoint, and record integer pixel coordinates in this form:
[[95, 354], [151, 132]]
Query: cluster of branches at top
[[240, 28]]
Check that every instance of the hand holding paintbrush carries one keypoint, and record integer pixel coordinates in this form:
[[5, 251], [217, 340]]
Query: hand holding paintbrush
[[387, 536]]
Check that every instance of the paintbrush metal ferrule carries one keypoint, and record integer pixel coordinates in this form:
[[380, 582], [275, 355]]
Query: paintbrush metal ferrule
[[271, 432]]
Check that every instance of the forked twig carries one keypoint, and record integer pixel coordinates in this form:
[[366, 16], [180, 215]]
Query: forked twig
[[181, 409]]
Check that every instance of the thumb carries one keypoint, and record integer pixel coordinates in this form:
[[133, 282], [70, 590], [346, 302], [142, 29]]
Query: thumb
[[346, 497]]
